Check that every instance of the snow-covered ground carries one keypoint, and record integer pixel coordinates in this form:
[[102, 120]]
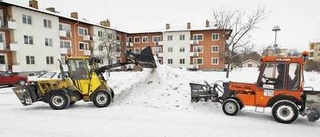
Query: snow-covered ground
[[151, 103]]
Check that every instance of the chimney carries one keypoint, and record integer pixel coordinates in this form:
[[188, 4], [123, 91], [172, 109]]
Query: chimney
[[188, 25], [33, 4], [52, 9], [105, 23], [207, 23], [167, 26], [74, 15]]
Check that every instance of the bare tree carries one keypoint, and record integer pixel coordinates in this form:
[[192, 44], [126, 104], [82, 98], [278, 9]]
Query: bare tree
[[241, 24], [109, 47]]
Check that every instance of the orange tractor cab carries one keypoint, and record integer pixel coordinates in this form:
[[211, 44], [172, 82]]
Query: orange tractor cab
[[279, 85]]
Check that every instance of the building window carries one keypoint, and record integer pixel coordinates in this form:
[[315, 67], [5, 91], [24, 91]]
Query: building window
[[30, 60], [182, 61], [215, 49], [136, 39], [49, 59], [2, 59], [170, 61], [170, 49], [48, 42], [83, 46], [198, 37], [26, 19], [100, 34], [65, 44], [28, 40], [198, 49], [182, 37], [66, 28], [215, 61], [82, 31], [100, 47], [215, 36], [47, 23], [170, 37], [145, 39], [156, 38], [198, 61], [182, 49]]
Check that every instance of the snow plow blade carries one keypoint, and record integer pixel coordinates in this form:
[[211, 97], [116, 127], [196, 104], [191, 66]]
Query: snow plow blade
[[145, 58], [26, 94], [312, 105]]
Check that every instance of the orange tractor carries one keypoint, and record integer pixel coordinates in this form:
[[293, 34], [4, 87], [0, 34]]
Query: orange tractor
[[279, 85]]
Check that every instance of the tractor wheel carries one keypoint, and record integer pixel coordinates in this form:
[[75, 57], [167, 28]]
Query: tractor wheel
[[230, 107], [285, 111], [59, 100], [101, 99]]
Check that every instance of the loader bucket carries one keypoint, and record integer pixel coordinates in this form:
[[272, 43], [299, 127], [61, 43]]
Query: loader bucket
[[145, 58], [27, 94]]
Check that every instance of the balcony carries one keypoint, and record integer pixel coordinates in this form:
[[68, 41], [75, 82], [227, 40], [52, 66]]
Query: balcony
[[2, 46], [63, 33], [3, 67], [16, 68], [118, 42], [194, 54], [194, 42], [129, 44], [86, 37], [94, 38], [195, 66], [14, 46], [64, 50], [87, 52], [158, 43], [12, 25], [159, 54]]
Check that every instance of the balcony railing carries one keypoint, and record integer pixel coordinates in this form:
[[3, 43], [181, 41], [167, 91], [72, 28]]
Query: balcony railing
[[14, 46], [16, 68], [129, 44], [2, 46], [12, 25], [87, 52], [64, 50], [194, 42], [86, 37]]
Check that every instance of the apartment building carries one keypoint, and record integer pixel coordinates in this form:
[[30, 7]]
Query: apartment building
[[314, 51], [33, 39]]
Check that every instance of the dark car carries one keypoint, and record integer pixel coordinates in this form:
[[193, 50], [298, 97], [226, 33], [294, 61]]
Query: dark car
[[7, 78]]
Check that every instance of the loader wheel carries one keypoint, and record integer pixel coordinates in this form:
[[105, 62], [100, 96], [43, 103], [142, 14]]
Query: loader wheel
[[101, 99], [230, 107], [285, 111], [112, 93], [59, 100]]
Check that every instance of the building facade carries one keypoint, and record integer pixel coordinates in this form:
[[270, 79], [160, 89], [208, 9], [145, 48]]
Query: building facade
[[314, 51], [33, 39]]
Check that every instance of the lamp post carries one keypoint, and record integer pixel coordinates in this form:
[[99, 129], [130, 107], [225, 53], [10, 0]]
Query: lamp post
[[275, 29]]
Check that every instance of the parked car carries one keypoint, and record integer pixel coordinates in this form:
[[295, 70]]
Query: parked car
[[55, 74], [8, 78]]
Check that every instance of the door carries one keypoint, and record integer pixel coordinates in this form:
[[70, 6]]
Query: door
[[272, 81], [78, 70]]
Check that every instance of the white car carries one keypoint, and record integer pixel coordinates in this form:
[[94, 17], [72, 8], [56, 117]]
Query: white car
[[55, 74]]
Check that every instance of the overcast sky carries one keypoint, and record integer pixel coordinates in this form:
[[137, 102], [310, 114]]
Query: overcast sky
[[299, 20]]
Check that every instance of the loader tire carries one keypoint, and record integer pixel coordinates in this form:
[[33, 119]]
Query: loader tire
[[101, 99], [231, 107], [285, 111], [112, 93], [59, 100]]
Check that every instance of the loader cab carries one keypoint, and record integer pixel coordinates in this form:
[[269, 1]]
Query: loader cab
[[78, 69], [280, 76]]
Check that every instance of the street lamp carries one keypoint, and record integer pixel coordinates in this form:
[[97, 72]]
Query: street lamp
[[275, 29]]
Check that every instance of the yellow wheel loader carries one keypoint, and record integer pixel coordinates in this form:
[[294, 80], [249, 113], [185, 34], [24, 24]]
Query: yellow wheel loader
[[85, 82]]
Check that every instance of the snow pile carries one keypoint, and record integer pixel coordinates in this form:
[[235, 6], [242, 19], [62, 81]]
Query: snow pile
[[163, 87]]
